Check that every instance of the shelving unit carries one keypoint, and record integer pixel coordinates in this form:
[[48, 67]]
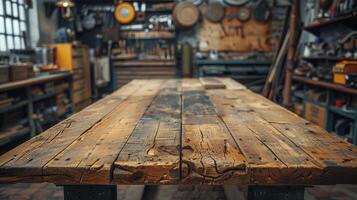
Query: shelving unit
[[325, 58], [21, 120], [327, 85], [347, 19], [75, 58], [331, 113], [146, 53], [125, 71]]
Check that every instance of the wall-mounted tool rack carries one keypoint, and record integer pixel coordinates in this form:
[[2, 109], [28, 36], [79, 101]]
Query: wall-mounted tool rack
[[147, 46]]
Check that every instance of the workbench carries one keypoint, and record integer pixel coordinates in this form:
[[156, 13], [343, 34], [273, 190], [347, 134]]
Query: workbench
[[208, 131]]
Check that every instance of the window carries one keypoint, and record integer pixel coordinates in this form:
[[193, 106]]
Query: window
[[12, 24]]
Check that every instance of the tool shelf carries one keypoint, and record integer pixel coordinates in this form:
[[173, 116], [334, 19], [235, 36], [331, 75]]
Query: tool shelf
[[29, 104], [315, 59], [347, 19], [332, 112]]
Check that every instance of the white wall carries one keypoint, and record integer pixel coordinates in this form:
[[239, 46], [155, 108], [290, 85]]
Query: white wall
[[42, 29]]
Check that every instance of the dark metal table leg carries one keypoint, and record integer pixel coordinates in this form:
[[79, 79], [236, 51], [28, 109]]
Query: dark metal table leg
[[90, 192], [276, 192]]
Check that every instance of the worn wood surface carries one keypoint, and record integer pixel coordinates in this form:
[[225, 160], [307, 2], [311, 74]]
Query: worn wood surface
[[189, 131]]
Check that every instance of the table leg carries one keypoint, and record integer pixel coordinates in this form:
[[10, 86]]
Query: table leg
[[90, 192], [276, 192]]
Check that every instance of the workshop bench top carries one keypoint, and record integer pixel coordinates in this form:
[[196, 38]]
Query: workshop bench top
[[183, 131]]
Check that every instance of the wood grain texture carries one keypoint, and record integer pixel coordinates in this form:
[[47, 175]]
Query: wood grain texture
[[190, 131], [26, 162], [89, 159], [209, 153], [151, 154]]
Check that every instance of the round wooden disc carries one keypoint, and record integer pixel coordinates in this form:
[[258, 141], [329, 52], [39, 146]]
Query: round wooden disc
[[215, 12], [185, 14], [124, 13]]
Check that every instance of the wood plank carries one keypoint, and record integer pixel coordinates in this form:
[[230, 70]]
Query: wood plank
[[173, 131], [212, 83], [89, 158], [25, 163], [151, 155], [271, 156], [209, 153], [33, 81], [336, 158], [232, 84]]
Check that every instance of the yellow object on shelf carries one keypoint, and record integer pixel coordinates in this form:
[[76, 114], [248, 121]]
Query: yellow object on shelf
[[342, 69], [124, 13], [75, 58]]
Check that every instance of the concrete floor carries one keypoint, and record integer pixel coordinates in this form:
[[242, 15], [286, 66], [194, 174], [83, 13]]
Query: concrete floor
[[51, 192]]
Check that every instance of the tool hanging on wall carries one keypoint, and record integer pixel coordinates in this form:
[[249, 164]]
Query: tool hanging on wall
[[243, 14], [235, 2], [185, 15], [124, 13], [195, 2], [140, 12], [89, 22], [215, 12], [262, 11]]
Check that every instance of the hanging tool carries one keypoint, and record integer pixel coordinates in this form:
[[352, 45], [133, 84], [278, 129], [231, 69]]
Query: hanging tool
[[235, 2], [262, 11], [124, 13], [215, 12], [141, 13], [185, 15], [243, 14], [89, 22], [195, 2]]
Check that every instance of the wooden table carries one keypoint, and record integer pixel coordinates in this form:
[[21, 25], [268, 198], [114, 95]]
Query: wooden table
[[190, 131]]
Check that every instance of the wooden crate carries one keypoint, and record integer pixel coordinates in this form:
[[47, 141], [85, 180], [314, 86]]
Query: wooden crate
[[20, 72], [4, 74], [316, 114]]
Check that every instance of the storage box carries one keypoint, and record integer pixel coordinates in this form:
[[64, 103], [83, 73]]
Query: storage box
[[316, 114], [20, 72], [4, 74], [342, 69]]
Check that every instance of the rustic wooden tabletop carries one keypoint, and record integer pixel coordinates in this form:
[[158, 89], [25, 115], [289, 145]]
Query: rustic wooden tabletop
[[183, 131]]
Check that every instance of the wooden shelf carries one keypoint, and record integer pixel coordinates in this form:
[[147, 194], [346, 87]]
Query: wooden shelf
[[8, 137], [348, 19], [333, 86], [326, 58], [231, 62], [147, 35], [350, 115], [33, 81], [145, 63], [13, 107], [42, 97]]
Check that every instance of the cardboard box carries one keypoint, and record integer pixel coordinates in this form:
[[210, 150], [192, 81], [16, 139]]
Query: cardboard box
[[316, 114]]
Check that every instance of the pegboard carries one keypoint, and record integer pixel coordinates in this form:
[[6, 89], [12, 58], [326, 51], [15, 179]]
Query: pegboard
[[234, 35]]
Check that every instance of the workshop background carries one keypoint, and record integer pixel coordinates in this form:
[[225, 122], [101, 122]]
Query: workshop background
[[58, 57]]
